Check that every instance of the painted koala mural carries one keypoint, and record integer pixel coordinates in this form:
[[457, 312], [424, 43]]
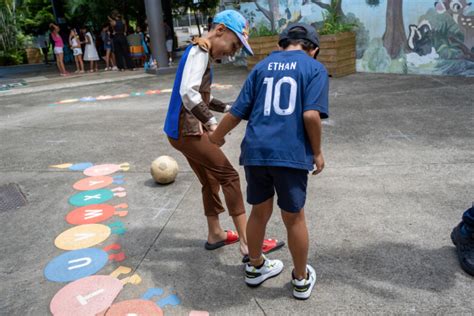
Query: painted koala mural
[[393, 36]]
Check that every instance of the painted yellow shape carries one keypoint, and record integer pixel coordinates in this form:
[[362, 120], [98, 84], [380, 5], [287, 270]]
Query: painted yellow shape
[[82, 236], [63, 166], [166, 90], [134, 279], [68, 101], [125, 166], [119, 271]]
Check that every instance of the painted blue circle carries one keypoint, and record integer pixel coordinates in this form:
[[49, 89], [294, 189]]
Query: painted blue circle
[[91, 197], [81, 166], [76, 264]]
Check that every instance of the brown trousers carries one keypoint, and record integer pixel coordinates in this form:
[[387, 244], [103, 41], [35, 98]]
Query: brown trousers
[[214, 170]]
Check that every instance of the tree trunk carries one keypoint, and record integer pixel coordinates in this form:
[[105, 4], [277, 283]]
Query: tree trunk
[[272, 14], [394, 38], [197, 23], [340, 13], [326, 6], [275, 12]]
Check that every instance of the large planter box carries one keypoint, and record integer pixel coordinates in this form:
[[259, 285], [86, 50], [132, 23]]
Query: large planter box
[[338, 53], [262, 47], [33, 55]]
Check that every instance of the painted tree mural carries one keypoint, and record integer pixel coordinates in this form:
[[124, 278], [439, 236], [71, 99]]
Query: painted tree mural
[[271, 11], [395, 38], [326, 6]]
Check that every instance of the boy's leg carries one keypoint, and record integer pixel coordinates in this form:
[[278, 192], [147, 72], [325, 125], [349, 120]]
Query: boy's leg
[[210, 190], [290, 185], [297, 240], [240, 223], [217, 166], [256, 227], [211, 201]]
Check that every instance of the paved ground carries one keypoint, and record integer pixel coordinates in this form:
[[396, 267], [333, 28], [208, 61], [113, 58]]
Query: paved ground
[[399, 152]]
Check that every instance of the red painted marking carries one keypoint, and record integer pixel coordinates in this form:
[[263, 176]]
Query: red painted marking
[[90, 214], [134, 307], [118, 257]]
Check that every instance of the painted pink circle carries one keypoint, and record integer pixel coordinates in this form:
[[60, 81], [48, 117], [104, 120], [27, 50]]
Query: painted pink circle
[[93, 183], [134, 307], [87, 296], [101, 170]]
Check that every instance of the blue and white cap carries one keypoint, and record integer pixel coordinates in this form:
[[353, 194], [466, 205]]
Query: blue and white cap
[[236, 22]]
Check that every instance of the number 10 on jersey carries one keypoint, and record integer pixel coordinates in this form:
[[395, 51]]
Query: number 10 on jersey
[[276, 96]]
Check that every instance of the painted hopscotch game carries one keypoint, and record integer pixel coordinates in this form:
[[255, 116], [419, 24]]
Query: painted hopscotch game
[[94, 214]]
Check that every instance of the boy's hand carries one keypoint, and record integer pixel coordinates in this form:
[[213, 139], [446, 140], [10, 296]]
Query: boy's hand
[[214, 140], [319, 162]]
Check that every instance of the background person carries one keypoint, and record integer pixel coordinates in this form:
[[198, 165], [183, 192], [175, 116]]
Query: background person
[[58, 48], [121, 48]]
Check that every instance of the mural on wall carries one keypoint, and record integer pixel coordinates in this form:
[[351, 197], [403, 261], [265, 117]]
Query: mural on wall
[[393, 36]]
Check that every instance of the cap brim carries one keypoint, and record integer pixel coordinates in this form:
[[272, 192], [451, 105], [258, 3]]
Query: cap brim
[[245, 44]]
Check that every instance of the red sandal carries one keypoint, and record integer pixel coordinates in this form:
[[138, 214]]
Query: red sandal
[[232, 238], [269, 245]]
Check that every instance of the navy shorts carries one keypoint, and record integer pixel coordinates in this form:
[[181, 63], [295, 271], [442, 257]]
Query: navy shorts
[[289, 183]]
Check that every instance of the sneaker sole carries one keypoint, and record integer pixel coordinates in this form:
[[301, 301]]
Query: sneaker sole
[[268, 276]]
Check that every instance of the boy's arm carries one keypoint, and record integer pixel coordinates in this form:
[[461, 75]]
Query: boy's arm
[[218, 106], [228, 123], [193, 73], [313, 127]]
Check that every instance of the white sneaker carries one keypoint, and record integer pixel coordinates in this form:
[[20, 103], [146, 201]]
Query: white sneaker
[[254, 277], [302, 288], [114, 68]]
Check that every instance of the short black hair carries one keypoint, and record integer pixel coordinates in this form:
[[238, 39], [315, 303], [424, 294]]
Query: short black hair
[[305, 44]]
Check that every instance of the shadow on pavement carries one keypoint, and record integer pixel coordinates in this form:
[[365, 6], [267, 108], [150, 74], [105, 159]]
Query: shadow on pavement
[[378, 266]]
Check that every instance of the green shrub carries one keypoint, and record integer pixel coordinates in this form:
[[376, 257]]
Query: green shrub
[[332, 21]]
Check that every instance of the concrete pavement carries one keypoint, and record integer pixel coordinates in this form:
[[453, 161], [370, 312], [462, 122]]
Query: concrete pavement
[[399, 170]]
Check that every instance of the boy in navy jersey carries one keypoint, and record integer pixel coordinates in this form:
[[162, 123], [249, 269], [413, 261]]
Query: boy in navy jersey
[[189, 121], [284, 99]]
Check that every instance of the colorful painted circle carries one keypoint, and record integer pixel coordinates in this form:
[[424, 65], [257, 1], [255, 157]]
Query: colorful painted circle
[[90, 214], [76, 264], [88, 296], [93, 183], [101, 170], [82, 236], [134, 307], [81, 166], [91, 197]]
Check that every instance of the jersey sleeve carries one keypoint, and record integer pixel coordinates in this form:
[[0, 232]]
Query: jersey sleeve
[[243, 106], [316, 96]]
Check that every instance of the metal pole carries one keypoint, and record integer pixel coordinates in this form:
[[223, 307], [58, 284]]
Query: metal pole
[[154, 14]]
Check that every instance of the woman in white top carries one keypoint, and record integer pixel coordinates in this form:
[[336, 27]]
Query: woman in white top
[[90, 52], [75, 44]]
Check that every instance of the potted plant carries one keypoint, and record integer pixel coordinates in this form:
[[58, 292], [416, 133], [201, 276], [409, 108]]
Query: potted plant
[[337, 43], [263, 37], [263, 41]]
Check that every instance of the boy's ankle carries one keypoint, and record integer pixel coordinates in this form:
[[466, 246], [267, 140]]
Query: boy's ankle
[[257, 262], [299, 277]]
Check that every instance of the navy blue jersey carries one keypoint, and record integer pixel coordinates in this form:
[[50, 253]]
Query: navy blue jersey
[[274, 97]]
